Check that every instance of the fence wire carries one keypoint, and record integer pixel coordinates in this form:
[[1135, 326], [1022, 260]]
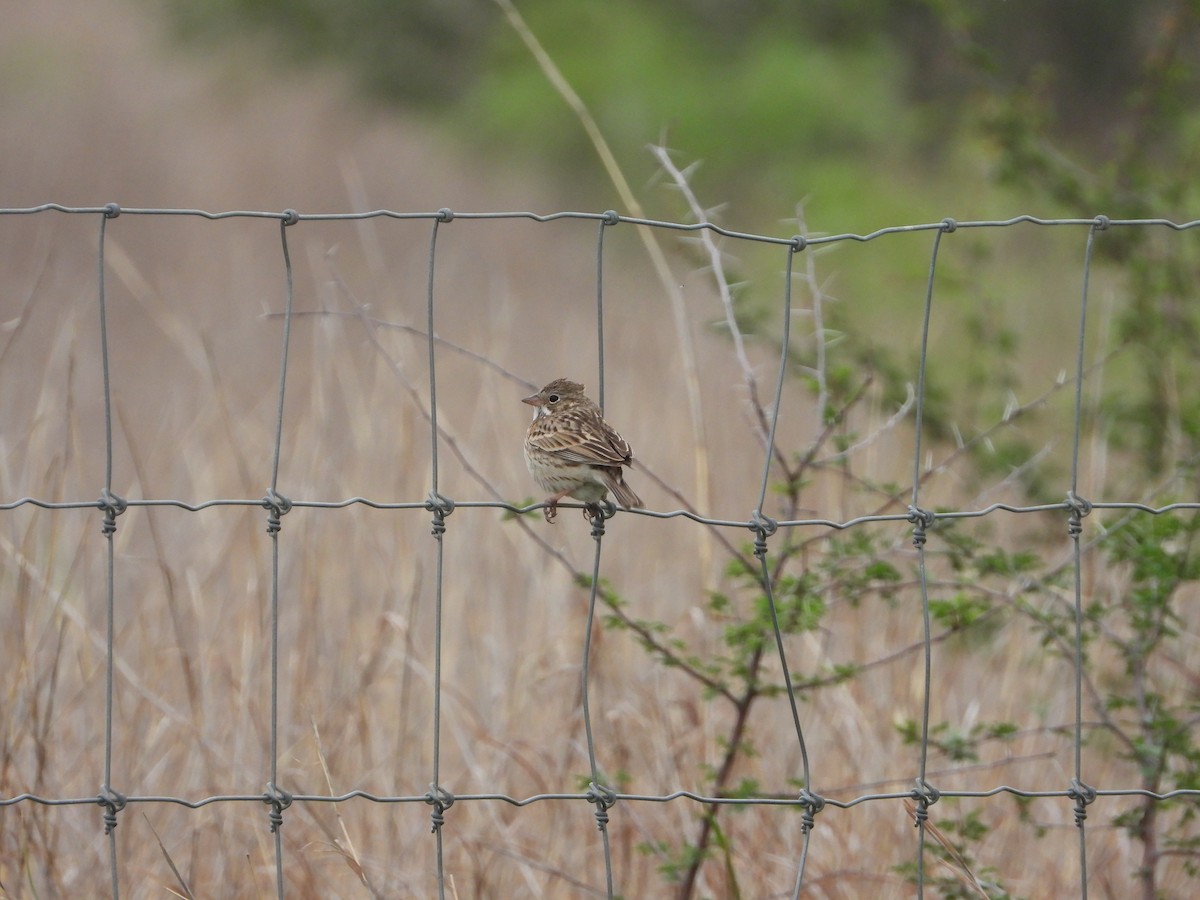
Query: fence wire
[[601, 796]]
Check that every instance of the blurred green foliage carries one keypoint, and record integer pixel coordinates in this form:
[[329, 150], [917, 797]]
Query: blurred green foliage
[[760, 107], [398, 51], [855, 96]]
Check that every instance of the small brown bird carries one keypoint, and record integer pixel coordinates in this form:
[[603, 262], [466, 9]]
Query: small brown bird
[[571, 451]]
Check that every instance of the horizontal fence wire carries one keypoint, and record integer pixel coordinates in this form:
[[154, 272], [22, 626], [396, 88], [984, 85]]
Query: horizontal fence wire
[[601, 796]]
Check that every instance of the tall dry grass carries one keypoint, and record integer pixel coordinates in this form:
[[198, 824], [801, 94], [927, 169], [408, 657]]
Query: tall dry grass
[[195, 341]]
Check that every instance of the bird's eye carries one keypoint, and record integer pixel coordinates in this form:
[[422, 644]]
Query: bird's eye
[[553, 398]]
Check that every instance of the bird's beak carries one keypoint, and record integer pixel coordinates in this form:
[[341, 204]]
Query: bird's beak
[[535, 400]]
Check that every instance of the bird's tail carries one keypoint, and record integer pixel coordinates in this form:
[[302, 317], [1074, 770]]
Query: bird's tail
[[624, 494]]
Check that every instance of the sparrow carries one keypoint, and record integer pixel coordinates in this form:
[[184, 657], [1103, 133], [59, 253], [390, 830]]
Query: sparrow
[[571, 451]]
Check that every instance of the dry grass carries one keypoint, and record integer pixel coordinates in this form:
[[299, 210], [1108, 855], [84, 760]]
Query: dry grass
[[194, 363]]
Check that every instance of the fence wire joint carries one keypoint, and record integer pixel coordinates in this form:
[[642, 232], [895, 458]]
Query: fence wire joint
[[440, 507], [278, 506], [113, 506], [605, 798], [113, 802], [763, 527], [279, 800], [1079, 509], [922, 520], [811, 804], [925, 795], [1084, 796], [441, 800]]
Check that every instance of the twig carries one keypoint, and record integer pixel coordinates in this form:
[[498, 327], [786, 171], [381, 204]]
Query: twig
[[658, 259]]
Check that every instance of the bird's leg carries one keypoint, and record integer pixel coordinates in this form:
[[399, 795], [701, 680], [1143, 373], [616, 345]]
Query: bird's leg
[[551, 509]]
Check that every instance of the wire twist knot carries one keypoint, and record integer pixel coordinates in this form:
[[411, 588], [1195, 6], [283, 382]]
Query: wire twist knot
[[598, 514], [440, 507], [279, 800], [113, 802], [112, 210], [1084, 795], [610, 217], [113, 506], [1101, 223], [949, 225], [811, 804], [278, 506], [441, 800], [922, 520], [763, 527], [605, 798], [290, 217], [445, 214], [799, 242], [1079, 509], [925, 794]]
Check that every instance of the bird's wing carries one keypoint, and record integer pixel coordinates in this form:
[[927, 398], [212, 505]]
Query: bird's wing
[[581, 438]]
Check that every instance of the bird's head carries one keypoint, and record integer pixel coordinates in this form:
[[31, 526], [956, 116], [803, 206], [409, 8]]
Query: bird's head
[[558, 395]]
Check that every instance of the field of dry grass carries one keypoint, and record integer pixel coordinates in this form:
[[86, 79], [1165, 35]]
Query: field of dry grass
[[97, 109]]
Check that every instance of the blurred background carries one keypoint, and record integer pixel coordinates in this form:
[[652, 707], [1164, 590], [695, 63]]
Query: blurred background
[[864, 108], [819, 118]]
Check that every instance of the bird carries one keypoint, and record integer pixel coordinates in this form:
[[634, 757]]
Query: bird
[[571, 451]]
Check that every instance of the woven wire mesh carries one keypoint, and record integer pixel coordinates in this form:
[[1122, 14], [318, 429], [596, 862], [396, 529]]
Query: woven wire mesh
[[278, 800]]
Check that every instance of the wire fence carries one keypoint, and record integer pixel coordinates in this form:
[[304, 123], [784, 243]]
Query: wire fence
[[604, 798]]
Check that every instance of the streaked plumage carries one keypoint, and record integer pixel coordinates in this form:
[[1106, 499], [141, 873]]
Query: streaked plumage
[[572, 452]]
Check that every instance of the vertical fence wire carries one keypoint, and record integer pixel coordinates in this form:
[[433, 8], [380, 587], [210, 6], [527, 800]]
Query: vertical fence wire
[[112, 506], [277, 505], [765, 527], [924, 794], [599, 792], [438, 797], [1079, 789], [609, 218]]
